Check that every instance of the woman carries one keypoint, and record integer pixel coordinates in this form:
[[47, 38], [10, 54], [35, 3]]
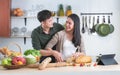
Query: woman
[[69, 41]]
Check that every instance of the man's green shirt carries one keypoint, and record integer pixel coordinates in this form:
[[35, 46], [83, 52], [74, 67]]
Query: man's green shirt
[[40, 39]]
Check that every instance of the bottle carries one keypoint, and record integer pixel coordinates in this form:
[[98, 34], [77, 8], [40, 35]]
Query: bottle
[[61, 10], [68, 11]]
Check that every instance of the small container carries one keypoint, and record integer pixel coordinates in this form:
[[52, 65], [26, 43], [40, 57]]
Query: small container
[[15, 31]]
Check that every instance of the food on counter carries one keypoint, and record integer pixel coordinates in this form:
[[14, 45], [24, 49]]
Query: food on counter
[[13, 62], [7, 52], [58, 64], [6, 61], [95, 64], [83, 59], [18, 61], [70, 59], [18, 12], [34, 52], [79, 60], [44, 63], [82, 64], [30, 59]]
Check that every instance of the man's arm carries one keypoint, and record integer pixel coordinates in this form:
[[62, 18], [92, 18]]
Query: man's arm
[[46, 52], [56, 54]]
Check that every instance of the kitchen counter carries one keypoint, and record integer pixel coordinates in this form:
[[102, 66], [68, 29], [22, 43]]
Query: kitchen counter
[[77, 70]]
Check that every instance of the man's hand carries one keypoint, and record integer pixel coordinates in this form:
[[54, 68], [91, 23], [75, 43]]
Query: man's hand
[[57, 55]]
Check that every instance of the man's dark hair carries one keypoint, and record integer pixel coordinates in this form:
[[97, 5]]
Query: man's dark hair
[[76, 33], [43, 15]]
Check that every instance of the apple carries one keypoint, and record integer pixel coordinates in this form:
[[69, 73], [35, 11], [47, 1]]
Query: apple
[[6, 61], [18, 61]]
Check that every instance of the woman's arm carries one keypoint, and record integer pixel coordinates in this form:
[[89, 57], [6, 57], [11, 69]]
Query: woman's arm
[[52, 43]]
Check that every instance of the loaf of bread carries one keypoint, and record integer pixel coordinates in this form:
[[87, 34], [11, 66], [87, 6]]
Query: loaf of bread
[[70, 59], [7, 52], [44, 63], [83, 59]]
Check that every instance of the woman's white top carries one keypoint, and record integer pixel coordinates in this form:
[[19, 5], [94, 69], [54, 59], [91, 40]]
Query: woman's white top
[[68, 49]]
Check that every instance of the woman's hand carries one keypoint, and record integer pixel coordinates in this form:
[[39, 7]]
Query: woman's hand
[[77, 54]]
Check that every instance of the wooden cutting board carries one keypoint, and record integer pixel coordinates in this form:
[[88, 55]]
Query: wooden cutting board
[[60, 64]]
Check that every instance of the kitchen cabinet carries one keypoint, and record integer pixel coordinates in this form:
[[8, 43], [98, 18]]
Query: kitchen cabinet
[[5, 28]]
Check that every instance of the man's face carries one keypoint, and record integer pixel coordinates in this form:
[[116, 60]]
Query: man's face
[[48, 23]]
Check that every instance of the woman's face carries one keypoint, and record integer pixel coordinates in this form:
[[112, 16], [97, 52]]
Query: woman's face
[[48, 23], [69, 25]]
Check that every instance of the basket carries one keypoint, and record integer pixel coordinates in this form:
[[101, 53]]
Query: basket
[[9, 54], [13, 66]]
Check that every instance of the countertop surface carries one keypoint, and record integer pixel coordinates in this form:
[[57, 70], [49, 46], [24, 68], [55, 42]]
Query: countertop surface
[[77, 70]]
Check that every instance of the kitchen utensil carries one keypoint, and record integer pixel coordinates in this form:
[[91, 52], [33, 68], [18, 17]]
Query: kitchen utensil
[[86, 27], [93, 27], [77, 49], [111, 26], [96, 26], [83, 29], [103, 29], [89, 28]]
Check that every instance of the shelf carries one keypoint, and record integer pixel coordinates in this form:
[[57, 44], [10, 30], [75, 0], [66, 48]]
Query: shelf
[[36, 16], [23, 17], [27, 35], [20, 36]]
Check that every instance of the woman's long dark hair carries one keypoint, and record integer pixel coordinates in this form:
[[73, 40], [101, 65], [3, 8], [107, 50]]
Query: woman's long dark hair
[[76, 33]]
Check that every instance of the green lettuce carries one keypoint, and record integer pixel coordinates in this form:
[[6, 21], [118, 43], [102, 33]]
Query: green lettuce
[[33, 52]]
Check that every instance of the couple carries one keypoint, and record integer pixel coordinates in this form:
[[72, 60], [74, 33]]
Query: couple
[[55, 41]]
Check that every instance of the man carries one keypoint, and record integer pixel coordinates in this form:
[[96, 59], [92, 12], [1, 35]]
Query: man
[[43, 34]]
